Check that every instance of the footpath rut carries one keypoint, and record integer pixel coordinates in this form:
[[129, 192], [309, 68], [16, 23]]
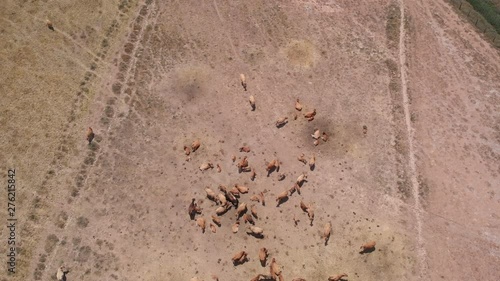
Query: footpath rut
[[417, 207]]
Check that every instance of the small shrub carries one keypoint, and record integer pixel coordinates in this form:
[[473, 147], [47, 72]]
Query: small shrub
[[51, 243], [82, 222]]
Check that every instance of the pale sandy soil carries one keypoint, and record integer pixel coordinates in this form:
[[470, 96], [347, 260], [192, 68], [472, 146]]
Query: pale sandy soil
[[412, 161]]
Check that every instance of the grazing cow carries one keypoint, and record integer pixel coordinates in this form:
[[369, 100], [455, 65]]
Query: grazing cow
[[195, 145], [316, 134], [255, 198], [213, 228], [262, 198], [216, 220], [282, 197], [61, 273], [235, 191], [201, 223], [242, 164], [310, 214], [222, 209], [242, 189], [275, 268], [253, 210], [303, 206], [253, 175], [255, 231], [294, 188], [222, 199], [193, 209], [326, 232], [243, 81], [281, 122], [90, 135], [263, 256], [239, 257], [235, 227], [302, 158], [211, 195], [231, 198], [271, 166], [49, 25], [368, 247], [310, 114], [324, 137], [309, 210], [301, 178], [312, 162], [248, 218], [242, 208], [298, 106], [252, 102], [245, 149], [205, 166]]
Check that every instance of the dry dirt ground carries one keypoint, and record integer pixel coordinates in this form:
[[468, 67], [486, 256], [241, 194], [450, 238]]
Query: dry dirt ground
[[407, 91]]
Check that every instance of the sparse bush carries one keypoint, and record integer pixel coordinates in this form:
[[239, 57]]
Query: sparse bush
[[109, 111], [89, 160], [105, 43], [61, 219], [74, 192], [33, 217], [79, 180], [82, 222], [51, 243], [83, 254], [104, 120], [116, 88], [76, 241]]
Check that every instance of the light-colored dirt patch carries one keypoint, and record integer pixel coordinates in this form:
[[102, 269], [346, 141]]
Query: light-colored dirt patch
[[300, 53], [191, 81]]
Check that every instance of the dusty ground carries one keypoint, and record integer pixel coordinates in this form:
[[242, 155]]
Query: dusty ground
[[412, 161]]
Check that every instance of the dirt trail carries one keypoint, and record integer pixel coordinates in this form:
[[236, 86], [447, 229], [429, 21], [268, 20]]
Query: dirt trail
[[103, 133], [417, 208], [454, 75]]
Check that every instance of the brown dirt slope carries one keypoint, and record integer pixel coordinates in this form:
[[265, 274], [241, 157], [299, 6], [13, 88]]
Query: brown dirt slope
[[454, 84]]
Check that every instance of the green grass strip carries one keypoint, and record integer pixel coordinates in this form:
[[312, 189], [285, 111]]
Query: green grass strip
[[488, 11]]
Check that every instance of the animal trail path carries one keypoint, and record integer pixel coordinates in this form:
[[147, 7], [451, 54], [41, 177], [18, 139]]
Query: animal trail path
[[417, 207], [148, 19], [229, 35]]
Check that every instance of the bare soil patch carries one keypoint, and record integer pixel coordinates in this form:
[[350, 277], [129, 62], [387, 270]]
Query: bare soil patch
[[151, 77]]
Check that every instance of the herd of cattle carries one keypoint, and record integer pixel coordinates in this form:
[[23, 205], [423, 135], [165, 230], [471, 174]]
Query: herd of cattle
[[228, 198]]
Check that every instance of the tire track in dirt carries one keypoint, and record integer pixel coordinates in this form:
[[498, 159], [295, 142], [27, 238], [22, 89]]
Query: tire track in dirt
[[417, 207], [39, 210], [83, 176]]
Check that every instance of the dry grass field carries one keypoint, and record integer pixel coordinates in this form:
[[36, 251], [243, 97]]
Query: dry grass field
[[407, 91]]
